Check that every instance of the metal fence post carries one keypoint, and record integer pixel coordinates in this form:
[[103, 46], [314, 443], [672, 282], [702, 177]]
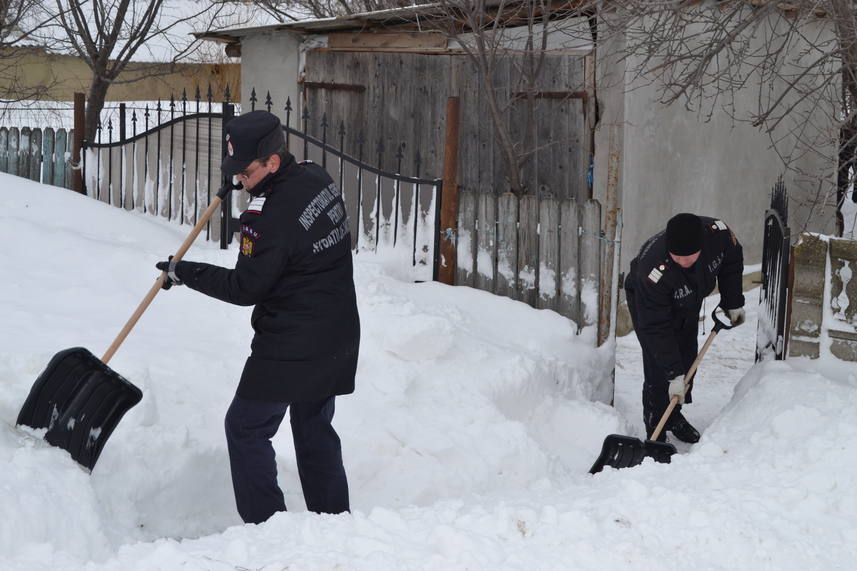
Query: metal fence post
[[226, 205], [122, 122]]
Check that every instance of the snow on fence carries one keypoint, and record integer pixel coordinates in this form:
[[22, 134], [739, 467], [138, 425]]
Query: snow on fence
[[38, 154], [543, 251], [170, 169]]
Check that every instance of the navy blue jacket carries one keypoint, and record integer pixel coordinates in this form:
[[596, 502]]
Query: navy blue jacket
[[295, 266], [667, 298]]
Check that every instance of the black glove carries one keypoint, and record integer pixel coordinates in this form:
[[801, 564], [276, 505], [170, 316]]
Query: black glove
[[170, 268]]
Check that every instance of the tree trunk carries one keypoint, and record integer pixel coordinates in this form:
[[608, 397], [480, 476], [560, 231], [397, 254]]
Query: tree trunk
[[94, 105]]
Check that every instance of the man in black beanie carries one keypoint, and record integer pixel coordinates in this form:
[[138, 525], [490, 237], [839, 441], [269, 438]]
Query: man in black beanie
[[294, 265], [668, 280]]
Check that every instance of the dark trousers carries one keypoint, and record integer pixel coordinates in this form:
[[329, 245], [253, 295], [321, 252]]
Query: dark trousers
[[250, 425], [655, 384]]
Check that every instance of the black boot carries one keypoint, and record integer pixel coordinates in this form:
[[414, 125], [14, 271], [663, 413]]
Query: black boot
[[682, 429]]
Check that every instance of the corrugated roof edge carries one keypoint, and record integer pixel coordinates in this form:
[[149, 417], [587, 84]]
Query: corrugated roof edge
[[350, 22]]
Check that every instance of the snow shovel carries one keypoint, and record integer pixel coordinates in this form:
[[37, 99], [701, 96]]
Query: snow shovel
[[78, 398], [620, 451]]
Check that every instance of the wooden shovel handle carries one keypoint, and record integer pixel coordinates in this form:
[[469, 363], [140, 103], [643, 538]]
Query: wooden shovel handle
[[674, 401], [215, 202]]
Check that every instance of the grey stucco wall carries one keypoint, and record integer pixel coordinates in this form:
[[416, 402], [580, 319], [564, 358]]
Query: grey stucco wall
[[271, 62], [675, 160]]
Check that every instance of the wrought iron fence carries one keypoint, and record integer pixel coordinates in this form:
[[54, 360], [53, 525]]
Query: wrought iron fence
[[389, 212], [169, 165], [771, 336], [172, 168]]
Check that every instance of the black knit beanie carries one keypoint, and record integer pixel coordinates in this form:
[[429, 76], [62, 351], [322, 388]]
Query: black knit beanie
[[684, 234]]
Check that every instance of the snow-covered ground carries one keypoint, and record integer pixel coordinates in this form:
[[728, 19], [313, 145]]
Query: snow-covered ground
[[467, 442]]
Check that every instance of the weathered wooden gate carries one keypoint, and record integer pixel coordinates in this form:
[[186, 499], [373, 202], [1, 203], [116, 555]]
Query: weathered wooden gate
[[405, 96], [544, 249]]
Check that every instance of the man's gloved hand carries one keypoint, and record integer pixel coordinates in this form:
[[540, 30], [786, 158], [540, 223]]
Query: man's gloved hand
[[677, 389], [736, 316], [170, 267]]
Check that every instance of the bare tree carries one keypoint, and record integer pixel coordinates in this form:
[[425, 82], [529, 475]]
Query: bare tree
[[108, 34], [19, 21], [800, 58]]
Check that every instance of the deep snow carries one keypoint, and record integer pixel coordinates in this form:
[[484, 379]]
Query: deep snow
[[467, 443]]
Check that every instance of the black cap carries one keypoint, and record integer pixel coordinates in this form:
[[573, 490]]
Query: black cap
[[256, 135], [684, 234]]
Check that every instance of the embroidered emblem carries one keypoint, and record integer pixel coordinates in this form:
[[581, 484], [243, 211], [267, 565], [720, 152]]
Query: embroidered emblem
[[714, 264], [245, 229], [246, 246], [256, 205], [719, 225], [229, 148], [655, 275], [681, 293]]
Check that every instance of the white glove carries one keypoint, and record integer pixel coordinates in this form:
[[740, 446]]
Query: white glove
[[736, 316], [677, 389]]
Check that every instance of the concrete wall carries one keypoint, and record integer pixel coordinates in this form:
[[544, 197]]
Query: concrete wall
[[674, 160], [823, 313], [271, 62], [63, 75]]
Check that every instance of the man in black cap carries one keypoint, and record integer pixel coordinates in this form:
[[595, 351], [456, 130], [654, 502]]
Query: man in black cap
[[294, 265], [665, 286]]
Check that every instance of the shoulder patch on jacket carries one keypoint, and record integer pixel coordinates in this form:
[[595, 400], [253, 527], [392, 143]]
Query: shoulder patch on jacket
[[719, 225], [256, 205], [249, 236], [247, 245], [655, 275]]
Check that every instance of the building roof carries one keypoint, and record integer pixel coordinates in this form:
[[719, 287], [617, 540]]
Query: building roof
[[408, 16], [398, 19]]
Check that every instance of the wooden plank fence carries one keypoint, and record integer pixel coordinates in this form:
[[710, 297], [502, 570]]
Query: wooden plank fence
[[544, 251], [37, 154]]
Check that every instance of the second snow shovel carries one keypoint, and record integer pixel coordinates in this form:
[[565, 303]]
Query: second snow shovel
[[78, 398], [619, 451]]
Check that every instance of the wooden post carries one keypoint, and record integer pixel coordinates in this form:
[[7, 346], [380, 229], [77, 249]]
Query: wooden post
[[77, 144], [612, 249], [449, 205]]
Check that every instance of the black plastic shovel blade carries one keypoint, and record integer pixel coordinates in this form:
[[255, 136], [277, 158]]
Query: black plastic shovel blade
[[620, 451], [80, 400]]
